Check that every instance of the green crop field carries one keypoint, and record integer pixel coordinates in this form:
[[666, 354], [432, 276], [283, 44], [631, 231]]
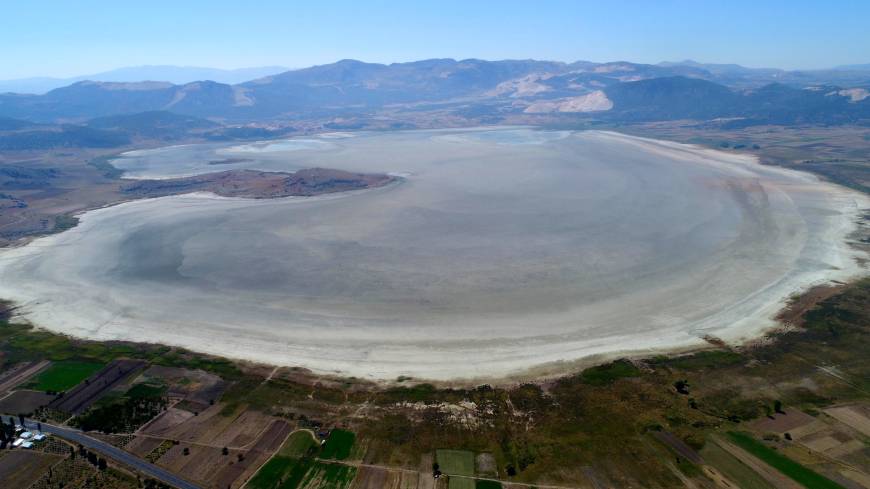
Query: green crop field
[[455, 462], [338, 445], [732, 468], [297, 445], [281, 473], [481, 484], [800, 474], [64, 375]]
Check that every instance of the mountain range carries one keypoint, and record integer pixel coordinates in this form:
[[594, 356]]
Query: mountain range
[[616, 91], [166, 73]]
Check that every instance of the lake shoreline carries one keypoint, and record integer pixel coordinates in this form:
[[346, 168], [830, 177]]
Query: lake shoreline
[[593, 354]]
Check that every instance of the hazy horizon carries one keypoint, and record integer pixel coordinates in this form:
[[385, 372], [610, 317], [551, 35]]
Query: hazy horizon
[[67, 40], [292, 68]]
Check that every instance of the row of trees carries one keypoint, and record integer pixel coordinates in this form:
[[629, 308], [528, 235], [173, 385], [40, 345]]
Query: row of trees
[[93, 458]]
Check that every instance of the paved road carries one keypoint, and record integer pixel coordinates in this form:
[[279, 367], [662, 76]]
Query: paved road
[[112, 452]]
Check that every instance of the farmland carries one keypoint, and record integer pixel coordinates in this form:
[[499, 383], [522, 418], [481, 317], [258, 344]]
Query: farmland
[[792, 469], [64, 375], [329, 476], [90, 390], [281, 472], [733, 468], [455, 462], [381, 478], [24, 401], [17, 374], [299, 444], [460, 483], [339, 444], [20, 469]]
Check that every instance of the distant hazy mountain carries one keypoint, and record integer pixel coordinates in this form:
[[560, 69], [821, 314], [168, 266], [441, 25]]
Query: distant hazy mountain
[[616, 90], [860, 67], [735, 75], [173, 74]]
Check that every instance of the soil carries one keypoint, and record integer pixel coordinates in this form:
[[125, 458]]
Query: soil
[[782, 423], [792, 314], [259, 184], [20, 373], [24, 401]]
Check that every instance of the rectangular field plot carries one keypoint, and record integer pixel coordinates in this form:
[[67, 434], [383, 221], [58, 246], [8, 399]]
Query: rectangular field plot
[[856, 417], [212, 427], [378, 478], [329, 476], [455, 462], [19, 468], [17, 374], [338, 445], [24, 401], [787, 466], [86, 393], [733, 469], [65, 375]]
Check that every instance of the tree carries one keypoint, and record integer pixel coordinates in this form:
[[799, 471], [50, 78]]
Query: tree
[[777, 406], [682, 386], [186, 451], [72, 453], [225, 451], [21, 418], [102, 464]]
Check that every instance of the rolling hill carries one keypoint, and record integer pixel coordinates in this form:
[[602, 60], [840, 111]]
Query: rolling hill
[[621, 91]]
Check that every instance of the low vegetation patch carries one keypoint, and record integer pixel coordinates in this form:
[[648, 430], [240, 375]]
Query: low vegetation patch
[[608, 373]]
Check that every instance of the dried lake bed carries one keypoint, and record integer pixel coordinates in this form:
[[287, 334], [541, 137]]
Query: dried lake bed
[[501, 250]]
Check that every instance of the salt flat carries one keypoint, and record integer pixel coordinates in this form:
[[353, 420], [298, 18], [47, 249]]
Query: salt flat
[[500, 251]]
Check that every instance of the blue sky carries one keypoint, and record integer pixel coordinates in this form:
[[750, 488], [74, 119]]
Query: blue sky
[[65, 38]]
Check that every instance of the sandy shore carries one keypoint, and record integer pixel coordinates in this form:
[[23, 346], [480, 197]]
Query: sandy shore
[[493, 259]]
